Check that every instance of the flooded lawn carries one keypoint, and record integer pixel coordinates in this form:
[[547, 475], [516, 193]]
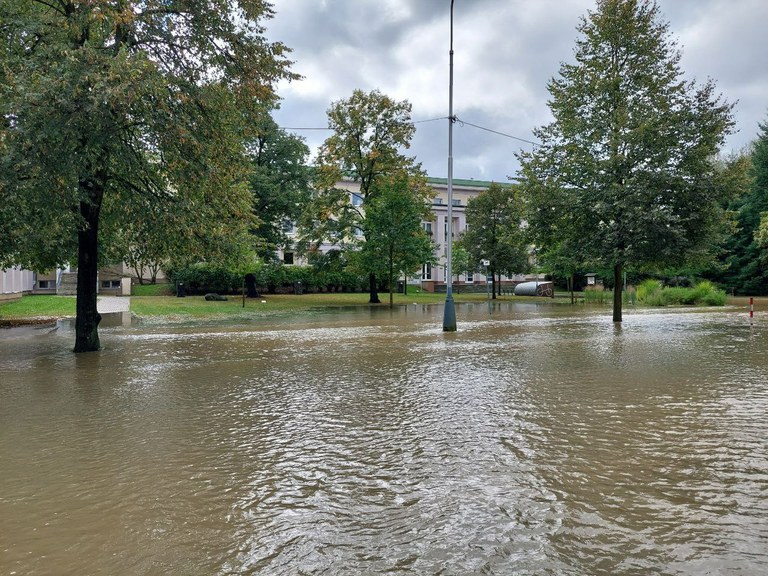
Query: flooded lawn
[[537, 440]]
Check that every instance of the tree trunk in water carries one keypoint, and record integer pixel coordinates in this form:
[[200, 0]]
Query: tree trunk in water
[[88, 317], [570, 288], [617, 270], [374, 297], [493, 284]]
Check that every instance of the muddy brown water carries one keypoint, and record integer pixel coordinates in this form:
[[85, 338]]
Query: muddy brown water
[[537, 440]]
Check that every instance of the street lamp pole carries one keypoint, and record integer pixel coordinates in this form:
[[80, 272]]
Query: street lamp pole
[[449, 315]]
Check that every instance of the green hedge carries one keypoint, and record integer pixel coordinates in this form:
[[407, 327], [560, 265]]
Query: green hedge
[[270, 279], [205, 278]]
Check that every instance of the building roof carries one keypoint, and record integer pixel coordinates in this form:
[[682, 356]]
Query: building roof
[[466, 183]]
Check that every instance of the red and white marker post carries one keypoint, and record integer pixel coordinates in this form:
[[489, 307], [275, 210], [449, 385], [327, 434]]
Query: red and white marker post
[[751, 309]]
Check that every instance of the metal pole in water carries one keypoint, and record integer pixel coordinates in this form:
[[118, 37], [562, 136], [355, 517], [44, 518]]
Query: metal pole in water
[[449, 315], [486, 263]]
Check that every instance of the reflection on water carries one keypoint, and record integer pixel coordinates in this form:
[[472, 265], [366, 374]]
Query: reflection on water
[[536, 440]]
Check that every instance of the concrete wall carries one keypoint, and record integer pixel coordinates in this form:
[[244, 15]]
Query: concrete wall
[[14, 282]]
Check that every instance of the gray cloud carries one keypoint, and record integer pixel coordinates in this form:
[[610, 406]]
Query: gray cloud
[[505, 52]]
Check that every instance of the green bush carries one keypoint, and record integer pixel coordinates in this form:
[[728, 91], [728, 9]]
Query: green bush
[[270, 279], [203, 278], [647, 289], [709, 294], [275, 278], [650, 293]]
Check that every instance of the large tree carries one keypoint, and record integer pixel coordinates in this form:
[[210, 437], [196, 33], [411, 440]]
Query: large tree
[[396, 243], [626, 167], [746, 260], [120, 98], [279, 183], [370, 133], [495, 231]]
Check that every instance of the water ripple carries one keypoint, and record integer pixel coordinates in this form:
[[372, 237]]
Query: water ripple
[[532, 442]]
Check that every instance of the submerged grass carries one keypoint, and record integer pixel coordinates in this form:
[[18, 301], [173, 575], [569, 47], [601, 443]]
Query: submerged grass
[[158, 308], [152, 304]]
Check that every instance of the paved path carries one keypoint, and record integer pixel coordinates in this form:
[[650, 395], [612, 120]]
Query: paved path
[[106, 304]]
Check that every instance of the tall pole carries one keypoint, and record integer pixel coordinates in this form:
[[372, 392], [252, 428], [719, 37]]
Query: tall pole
[[449, 315]]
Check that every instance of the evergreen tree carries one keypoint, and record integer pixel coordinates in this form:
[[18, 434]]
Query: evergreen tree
[[626, 166], [747, 265]]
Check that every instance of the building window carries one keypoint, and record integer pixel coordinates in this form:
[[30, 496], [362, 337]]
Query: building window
[[455, 202], [426, 271], [357, 199], [288, 226], [288, 258], [437, 201], [44, 284], [110, 283], [427, 227]]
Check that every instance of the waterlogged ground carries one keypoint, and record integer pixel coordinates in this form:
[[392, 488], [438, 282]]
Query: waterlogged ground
[[537, 439]]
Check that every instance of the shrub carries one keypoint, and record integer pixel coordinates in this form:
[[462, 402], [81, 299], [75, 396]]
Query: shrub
[[269, 278], [647, 289], [203, 278], [705, 293], [709, 294]]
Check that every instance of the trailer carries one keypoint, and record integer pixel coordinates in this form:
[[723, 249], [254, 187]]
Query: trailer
[[545, 288]]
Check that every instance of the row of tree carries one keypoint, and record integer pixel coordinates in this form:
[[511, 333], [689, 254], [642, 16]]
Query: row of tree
[[141, 131]]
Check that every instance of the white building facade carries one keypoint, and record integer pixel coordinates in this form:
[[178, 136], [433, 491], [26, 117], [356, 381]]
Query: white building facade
[[14, 282], [433, 275]]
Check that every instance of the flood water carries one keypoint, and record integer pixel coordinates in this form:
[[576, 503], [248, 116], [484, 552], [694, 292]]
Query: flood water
[[537, 440]]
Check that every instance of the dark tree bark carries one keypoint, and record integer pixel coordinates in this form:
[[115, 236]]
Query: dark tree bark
[[88, 317], [617, 272], [373, 288]]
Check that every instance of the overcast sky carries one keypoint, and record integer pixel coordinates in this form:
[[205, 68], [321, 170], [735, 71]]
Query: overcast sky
[[505, 51]]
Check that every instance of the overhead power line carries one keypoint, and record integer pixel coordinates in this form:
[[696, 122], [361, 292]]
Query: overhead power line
[[464, 122], [456, 119]]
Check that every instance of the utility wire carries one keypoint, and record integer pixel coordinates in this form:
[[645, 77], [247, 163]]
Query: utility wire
[[463, 122], [313, 128], [455, 119]]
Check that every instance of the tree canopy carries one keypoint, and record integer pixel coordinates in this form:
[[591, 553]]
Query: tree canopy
[[280, 184], [495, 231], [626, 167], [746, 259], [370, 133], [119, 99], [395, 242]]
